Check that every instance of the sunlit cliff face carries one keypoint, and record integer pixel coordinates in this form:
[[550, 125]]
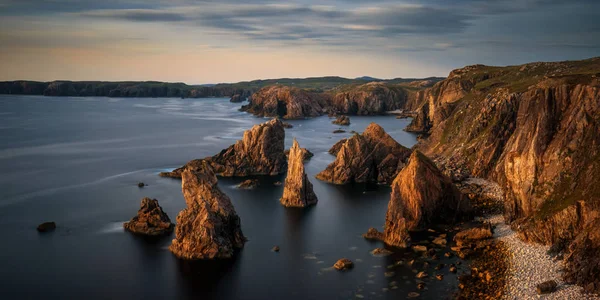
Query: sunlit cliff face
[[227, 41]]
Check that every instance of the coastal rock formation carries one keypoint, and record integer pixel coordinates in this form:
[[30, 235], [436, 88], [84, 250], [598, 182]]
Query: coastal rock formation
[[150, 220], [337, 146], [372, 156], [533, 129], [369, 99], [421, 195], [286, 102], [341, 120], [208, 227], [236, 98], [297, 191], [259, 152]]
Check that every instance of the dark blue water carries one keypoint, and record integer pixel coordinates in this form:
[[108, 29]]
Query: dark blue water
[[76, 161]]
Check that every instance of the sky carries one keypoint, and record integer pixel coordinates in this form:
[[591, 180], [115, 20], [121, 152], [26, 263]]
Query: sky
[[206, 41]]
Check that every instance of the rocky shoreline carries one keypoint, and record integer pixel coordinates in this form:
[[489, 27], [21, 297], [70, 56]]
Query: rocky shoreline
[[530, 265]]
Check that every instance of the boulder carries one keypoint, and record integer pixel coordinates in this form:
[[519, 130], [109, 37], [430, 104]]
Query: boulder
[[373, 234], [343, 264], [372, 156], [297, 190], [46, 226], [248, 184], [421, 196], [341, 120], [339, 131], [546, 287], [150, 220], [208, 227]]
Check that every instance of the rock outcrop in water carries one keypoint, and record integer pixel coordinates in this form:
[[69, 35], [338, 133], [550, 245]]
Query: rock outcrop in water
[[150, 220], [297, 191], [372, 156], [342, 120], [534, 129], [286, 102], [369, 99], [259, 152], [208, 227], [421, 196]]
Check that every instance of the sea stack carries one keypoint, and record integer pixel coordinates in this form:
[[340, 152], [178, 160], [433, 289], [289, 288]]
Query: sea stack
[[259, 152], [209, 227], [421, 195], [373, 156], [298, 191], [150, 220]]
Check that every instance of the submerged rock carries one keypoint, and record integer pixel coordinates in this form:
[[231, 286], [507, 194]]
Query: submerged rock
[[150, 220], [259, 152], [209, 227], [339, 131], [373, 156], [421, 195], [297, 191], [141, 184], [342, 120], [46, 226]]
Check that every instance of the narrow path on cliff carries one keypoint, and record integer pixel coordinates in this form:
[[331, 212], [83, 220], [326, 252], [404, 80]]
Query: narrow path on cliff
[[529, 265]]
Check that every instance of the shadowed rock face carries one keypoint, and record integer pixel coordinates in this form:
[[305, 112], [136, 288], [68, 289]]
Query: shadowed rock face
[[583, 259], [259, 152], [421, 195], [373, 156], [209, 227], [150, 220], [286, 102], [298, 191], [534, 129], [337, 146]]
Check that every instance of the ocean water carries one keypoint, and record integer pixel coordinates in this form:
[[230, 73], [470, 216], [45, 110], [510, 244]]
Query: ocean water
[[77, 161]]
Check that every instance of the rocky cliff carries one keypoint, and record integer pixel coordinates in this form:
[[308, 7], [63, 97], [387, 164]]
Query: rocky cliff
[[259, 152], [208, 227], [150, 220], [372, 156], [297, 191], [369, 99], [421, 195], [286, 102], [534, 129]]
